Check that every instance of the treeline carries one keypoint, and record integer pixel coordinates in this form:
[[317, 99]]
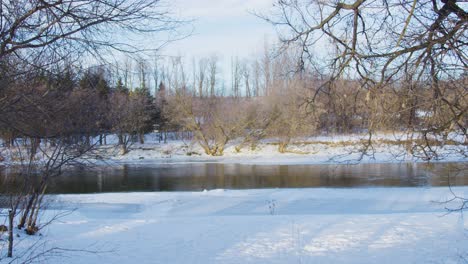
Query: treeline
[[267, 98], [73, 106], [262, 98]]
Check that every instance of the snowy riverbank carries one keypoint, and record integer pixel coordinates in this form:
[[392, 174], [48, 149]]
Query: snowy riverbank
[[317, 150], [332, 149], [377, 225]]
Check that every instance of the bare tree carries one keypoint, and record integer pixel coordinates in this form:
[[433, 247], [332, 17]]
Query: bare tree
[[213, 72], [245, 70], [378, 43], [130, 117], [236, 76], [266, 69], [214, 121], [290, 114], [256, 71], [37, 38], [142, 74], [156, 73], [201, 77], [128, 73], [33, 29], [49, 116]]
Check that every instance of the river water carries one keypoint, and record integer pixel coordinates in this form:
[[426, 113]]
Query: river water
[[207, 176]]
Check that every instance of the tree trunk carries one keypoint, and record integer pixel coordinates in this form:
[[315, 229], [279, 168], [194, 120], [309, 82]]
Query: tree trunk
[[35, 142], [124, 149], [31, 214], [11, 216], [121, 142], [282, 147], [26, 211], [32, 226]]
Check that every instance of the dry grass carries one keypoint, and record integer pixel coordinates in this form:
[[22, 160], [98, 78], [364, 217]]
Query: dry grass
[[346, 143]]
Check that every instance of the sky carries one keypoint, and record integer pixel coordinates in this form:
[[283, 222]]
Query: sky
[[226, 28]]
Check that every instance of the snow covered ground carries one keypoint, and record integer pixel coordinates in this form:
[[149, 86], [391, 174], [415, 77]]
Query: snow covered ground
[[329, 149], [316, 150], [268, 154], [375, 225], [320, 225]]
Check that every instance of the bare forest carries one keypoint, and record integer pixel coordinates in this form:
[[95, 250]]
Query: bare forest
[[262, 98]]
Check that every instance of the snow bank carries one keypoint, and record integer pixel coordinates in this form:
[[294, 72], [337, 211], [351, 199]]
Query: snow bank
[[314, 150], [323, 150], [378, 225]]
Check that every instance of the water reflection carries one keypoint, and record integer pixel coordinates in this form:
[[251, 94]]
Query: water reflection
[[200, 176]]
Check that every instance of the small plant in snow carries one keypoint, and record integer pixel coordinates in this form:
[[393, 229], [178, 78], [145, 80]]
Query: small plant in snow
[[167, 152], [272, 206]]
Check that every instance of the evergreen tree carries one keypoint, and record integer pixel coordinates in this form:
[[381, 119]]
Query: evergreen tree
[[120, 87], [102, 87], [147, 115]]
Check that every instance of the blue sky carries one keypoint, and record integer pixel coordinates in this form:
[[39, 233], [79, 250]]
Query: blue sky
[[223, 27]]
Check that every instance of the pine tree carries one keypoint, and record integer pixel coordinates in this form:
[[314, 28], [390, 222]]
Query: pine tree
[[102, 87], [120, 87]]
